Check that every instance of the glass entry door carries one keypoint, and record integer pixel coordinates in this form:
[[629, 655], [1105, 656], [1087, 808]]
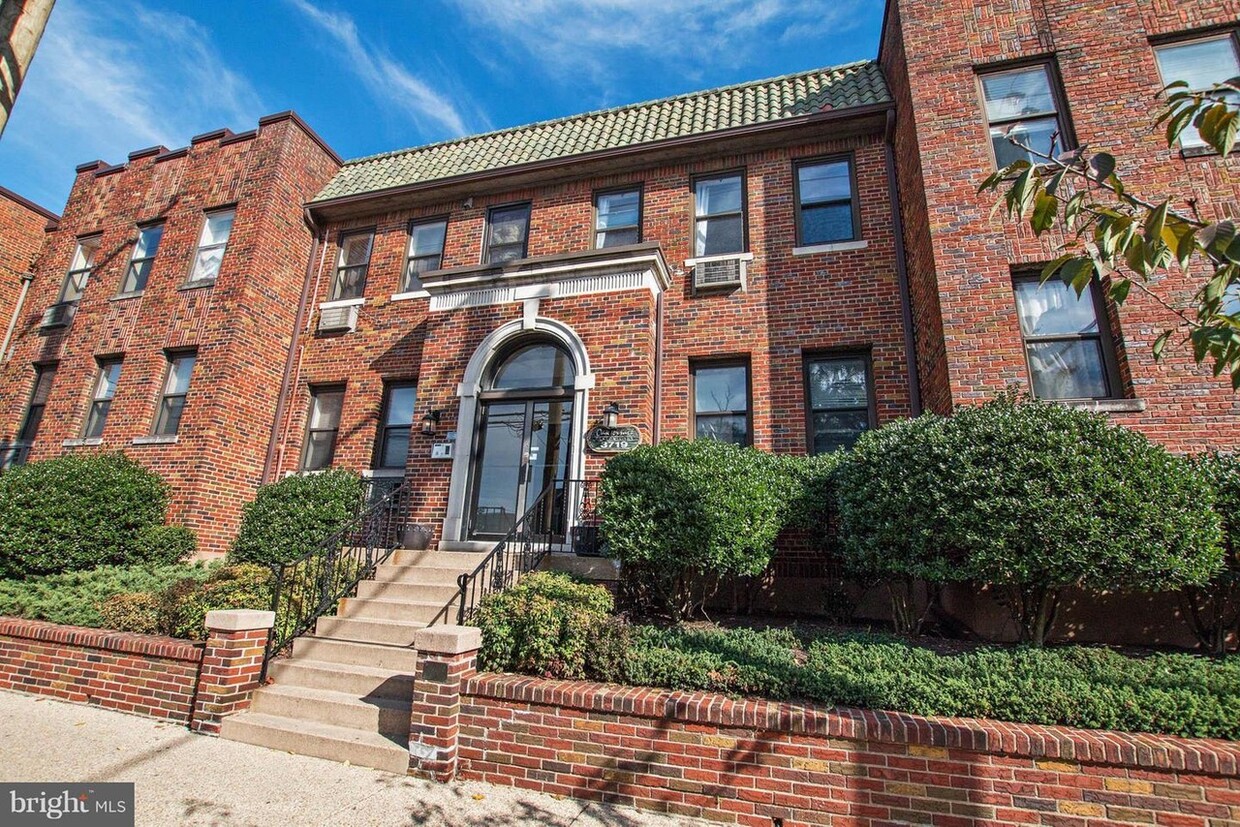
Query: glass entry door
[[523, 447]]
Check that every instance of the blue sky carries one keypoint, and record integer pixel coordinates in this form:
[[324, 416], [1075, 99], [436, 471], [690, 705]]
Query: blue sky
[[375, 75]]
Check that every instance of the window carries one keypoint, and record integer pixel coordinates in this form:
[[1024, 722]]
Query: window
[[1022, 104], [143, 256], [44, 375], [350, 281], [617, 218], [719, 215], [101, 401], [425, 251], [839, 405], [396, 424], [79, 270], [826, 213], [721, 401], [215, 231], [508, 233], [176, 386], [321, 428], [1069, 352], [1201, 64]]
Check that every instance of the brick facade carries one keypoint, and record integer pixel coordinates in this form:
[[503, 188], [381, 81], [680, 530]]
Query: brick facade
[[961, 259], [22, 227]]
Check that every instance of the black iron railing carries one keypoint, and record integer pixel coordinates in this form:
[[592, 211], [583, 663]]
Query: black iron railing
[[564, 517], [310, 588]]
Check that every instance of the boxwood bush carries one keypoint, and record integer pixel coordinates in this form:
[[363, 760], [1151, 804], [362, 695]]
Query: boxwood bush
[[288, 519], [83, 598], [1031, 496], [1214, 609], [80, 511], [683, 514]]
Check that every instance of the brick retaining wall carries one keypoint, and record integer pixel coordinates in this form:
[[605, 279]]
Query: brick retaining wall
[[765, 763]]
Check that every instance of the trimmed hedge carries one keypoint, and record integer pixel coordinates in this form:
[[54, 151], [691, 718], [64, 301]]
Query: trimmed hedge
[[82, 598], [80, 511], [288, 519], [1214, 608]]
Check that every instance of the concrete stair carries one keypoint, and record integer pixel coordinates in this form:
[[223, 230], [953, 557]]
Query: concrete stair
[[345, 692]]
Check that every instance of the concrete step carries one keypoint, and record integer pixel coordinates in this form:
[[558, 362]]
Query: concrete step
[[390, 633], [412, 592], [366, 749], [356, 653], [382, 715], [358, 681], [463, 560], [399, 610], [431, 575]]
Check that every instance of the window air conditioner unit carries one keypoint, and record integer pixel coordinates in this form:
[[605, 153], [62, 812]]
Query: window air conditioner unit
[[338, 318], [59, 315], [719, 272]]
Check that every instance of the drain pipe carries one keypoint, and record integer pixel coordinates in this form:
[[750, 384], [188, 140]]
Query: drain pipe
[[897, 228], [316, 248], [17, 312], [658, 368]]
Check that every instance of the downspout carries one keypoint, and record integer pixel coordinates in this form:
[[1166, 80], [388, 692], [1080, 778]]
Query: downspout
[[897, 228], [658, 368], [17, 311], [291, 359]]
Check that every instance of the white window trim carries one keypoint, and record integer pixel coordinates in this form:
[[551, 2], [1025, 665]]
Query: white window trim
[[409, 294], [837, 247], [342, 303], [692, 262]]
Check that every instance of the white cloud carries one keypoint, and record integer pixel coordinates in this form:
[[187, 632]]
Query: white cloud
[[386, 78], [598, 36], [112, 78]]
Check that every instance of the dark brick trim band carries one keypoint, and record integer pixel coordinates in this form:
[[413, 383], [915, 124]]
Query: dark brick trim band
[[154, 646]]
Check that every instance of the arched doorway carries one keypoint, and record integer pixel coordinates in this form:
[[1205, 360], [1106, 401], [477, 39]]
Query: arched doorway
[[523, 436]]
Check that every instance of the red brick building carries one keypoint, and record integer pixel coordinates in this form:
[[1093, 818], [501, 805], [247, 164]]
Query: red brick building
[[782, 263], [22, 227]]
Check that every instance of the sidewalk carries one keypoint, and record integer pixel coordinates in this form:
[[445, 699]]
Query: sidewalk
[[187, 779]]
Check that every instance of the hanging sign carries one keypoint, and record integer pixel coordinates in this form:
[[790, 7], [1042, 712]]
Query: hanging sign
[[614, 440]]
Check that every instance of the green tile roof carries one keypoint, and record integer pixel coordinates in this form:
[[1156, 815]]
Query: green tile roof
[[698, 113]]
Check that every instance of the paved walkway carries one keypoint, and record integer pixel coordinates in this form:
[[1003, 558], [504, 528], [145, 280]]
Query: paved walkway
[[187, 779]]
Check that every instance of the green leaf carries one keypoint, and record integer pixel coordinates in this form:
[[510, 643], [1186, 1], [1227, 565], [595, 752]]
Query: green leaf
[[1160, 343], [1154, 221], [1103, 165], [1049, 271], [1044, 210], [1119, 290]]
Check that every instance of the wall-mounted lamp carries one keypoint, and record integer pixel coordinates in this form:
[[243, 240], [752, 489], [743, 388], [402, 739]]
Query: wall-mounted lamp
[[430, 421], [610, 415]]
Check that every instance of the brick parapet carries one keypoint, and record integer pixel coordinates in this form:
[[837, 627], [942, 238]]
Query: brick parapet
[[153, 645], [232, 666]]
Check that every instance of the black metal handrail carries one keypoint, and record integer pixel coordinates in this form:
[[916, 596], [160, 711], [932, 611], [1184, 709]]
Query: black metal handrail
[[309, 588], [543, 526]]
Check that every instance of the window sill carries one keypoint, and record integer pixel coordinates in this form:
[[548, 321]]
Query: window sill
[[410, 294], [838, 247], [197, 285], [155, 440], [383, 473], [78, 443], [1105, 405], [133, 294], [342, 303], [693, 262]]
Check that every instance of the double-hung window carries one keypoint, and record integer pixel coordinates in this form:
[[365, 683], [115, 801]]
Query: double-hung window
[[101, 399], [354, 261], [216, 228], [143, 257], [839, 400], [44, 375], [721, 408], [396, 425], [323, 423], [1068, 348], [719, 215], [176, 387], [1023, 105], [79, 270], [426, 240], [508, 233], [1200, 63], [617, 217], [826, 205]]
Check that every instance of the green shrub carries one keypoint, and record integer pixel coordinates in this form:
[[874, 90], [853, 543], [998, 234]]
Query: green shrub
[[183, 606], [680, 515], [132, 612], [290, 518], [77, 512], [542, 625], [1214, 609], [77, 598], [166, 544], [1031, 496]]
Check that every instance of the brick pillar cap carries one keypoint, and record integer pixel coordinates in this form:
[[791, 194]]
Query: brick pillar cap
[[448, 640], [240, 620]]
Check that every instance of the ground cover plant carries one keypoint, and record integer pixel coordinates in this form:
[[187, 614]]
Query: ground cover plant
[[75, 598]]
